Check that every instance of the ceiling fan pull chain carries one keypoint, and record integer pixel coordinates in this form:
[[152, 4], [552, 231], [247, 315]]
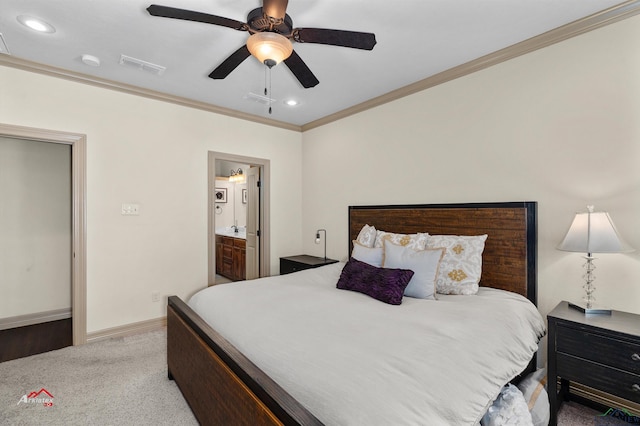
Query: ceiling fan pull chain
[[267, 93], [270, 90], [265, 80]]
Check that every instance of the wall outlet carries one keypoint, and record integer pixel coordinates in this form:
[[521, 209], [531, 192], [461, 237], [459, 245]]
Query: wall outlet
[[130, 209], [155, 297]]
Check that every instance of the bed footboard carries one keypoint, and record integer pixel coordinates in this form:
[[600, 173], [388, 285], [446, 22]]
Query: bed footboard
[[221, 385]]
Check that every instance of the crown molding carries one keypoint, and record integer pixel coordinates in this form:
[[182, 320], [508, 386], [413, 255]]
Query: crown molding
[[598, 20], [25, 65]]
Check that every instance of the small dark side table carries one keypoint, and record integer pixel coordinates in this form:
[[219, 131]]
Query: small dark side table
[[303, 261], [598, 351]]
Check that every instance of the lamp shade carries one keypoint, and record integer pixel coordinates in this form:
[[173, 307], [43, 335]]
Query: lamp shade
[[269, 46], [593, 232]]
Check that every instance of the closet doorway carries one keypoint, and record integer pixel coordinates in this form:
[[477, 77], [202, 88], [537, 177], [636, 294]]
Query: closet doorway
[[44, 233], [239, 211]]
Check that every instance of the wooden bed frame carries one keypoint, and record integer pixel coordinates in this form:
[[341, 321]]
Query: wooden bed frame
[[223, 387]]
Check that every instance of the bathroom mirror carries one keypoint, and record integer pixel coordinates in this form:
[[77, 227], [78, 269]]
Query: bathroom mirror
[[231, 204]]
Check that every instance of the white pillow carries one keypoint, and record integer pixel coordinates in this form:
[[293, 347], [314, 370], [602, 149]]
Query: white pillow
[[415, 241], [367, 236], [372, 256], [461, 266], [423, 263], [508, 409], [535, 395]]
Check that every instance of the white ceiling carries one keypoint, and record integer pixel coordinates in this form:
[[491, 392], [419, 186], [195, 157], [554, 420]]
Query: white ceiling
[[415, 39]]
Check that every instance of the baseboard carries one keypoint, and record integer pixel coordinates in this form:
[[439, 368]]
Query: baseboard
[[128, 330], [35, 318]]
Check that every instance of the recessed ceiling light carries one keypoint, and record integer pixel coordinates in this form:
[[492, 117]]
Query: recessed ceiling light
[[291, 102], [36, 24]]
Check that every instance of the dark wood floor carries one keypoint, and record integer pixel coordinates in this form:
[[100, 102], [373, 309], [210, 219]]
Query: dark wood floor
[[34, 339]]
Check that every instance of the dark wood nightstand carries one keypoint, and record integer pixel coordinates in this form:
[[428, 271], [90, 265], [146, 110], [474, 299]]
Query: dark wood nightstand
[[598, 351], [304, 261]]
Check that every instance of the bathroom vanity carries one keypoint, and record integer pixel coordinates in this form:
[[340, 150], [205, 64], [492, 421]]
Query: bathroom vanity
[[231, 254]]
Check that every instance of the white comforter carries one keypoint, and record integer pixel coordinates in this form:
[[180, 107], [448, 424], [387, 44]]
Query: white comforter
[[352, 360]]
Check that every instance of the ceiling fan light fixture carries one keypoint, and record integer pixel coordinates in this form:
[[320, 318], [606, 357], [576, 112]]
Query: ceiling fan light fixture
[[269, 47]]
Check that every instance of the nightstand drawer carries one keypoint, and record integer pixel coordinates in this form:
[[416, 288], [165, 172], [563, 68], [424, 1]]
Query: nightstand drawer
[[604, 350], [598, 376]]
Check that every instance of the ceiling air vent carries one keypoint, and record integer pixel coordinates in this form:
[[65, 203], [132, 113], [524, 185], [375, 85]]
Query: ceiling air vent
[[3, 46], [264, 100], [142, 65]]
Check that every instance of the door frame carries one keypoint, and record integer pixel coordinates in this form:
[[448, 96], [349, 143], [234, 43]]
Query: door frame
[[263, 226], [78, 143]]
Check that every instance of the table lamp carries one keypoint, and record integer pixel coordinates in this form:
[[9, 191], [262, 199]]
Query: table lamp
[[325, 241], [592, 232]]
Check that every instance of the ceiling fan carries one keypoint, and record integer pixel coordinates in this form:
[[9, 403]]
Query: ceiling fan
[[271, 30]]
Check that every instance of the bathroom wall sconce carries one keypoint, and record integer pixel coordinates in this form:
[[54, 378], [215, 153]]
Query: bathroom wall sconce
[[236, 176], [325, 241]]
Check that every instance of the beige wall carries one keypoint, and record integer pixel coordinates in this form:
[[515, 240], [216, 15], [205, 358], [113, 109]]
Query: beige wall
[[35, 227], [560, 126], [154, 154]]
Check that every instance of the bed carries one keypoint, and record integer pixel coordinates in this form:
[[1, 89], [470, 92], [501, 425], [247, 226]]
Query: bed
[[224, 386]]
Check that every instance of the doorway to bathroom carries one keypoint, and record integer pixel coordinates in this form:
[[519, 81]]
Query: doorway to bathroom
[[238, 212]]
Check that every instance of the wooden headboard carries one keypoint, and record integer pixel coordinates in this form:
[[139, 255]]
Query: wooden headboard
[[509, 260]]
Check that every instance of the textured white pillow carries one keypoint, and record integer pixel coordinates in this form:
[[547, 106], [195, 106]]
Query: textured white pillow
[[423, 263], [367, 236], [371, 255], [415, 241], [508, 409], [461, 267]]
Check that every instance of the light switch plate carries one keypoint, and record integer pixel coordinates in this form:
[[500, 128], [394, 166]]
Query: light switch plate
[[130, 209]]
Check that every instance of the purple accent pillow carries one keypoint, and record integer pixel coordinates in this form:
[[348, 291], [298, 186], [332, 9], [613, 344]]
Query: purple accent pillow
[[386, 285]]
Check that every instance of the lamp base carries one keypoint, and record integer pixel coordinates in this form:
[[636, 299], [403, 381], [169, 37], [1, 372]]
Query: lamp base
[[593, 310]]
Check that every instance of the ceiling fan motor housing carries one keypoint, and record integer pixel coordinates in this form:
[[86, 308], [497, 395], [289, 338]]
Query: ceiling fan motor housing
[[258, 21]]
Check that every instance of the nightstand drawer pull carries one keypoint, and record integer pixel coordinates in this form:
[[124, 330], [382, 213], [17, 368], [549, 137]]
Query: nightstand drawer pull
[[635, 387], [635, 357]]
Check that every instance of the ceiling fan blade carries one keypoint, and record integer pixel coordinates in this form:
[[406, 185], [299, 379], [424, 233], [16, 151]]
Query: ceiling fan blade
[[301, 70], [230, 64], [354, 39], [189, 15], [275, 8]]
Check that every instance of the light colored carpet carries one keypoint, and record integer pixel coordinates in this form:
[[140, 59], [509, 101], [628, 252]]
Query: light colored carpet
[[573, 414], [120, 381]]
